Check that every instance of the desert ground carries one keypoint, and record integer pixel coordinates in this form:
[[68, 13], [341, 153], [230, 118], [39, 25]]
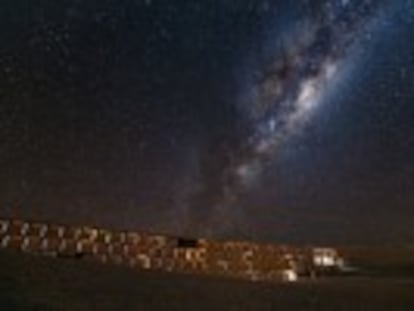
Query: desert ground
[[29, 282]]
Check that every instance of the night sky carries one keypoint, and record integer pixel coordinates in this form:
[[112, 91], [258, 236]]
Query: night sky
[[282, 121]]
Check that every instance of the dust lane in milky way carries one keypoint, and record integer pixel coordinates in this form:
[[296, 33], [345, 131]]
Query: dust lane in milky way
[[290, 90], [277, 120]]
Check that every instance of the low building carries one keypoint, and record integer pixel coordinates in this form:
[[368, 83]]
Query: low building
[[327, 260], [234, 259]]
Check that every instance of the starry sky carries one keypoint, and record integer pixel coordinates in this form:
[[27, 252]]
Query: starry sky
[[281, 121]]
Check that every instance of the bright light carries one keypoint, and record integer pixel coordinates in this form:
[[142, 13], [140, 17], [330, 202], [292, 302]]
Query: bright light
[[325, 258], [290, 275]]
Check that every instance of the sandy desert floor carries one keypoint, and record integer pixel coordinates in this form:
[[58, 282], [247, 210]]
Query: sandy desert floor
[[36, 283]]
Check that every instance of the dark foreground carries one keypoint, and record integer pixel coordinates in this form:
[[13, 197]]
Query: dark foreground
[[34, 283]]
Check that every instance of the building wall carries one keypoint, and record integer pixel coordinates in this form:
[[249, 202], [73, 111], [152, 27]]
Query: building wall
[[236, 259]]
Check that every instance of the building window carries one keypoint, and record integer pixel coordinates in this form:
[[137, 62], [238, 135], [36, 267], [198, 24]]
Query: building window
[[187, 243]]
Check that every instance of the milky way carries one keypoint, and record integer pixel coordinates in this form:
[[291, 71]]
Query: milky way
[[243, 118], [287, 93]]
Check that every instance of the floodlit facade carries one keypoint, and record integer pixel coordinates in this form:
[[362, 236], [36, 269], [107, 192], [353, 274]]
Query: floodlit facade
[[326, 258], [234, 259]]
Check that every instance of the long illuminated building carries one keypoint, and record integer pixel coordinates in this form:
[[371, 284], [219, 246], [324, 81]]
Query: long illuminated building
[[236, 259]]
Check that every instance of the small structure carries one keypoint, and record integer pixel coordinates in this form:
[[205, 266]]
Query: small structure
[[327, 260]]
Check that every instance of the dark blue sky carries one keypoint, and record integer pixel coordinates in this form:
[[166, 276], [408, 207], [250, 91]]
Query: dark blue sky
[[135, 114]]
